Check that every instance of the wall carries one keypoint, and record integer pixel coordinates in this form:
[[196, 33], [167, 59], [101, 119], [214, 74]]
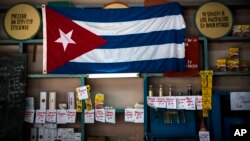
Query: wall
[[131, 90]]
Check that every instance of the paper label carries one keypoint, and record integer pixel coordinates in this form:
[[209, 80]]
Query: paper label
[[160, 102], [71, 114], [171, 102], [190, 102], [139, 115], [110, 115], [129, 115], [151, 101], [62, 117], [51, 116], [198, 102], [29, 116], [89, 116], [180, 102], [100, 115], [204, 136], [240, 100], [82, 92], [40, 116]]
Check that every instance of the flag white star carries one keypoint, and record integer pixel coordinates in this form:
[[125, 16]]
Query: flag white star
[[65, 39]]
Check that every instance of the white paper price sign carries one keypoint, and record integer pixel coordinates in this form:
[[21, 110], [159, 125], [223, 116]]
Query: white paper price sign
[[71, 114], [82, 92], [129, 115], [110, 115], [40, 116], [139, 115], [62, 117], [160, 102], [100, 115], [190, 102], [180, 102], [198, 102], [151, 101], [204, 136], [29, 116], [51, 116], [89, 116], [171, 102]]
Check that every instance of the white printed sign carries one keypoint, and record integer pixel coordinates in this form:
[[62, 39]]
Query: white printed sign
[[139, 115], [151, 101], [29, 116], [110, 115], [62, 117], [89, 116], [82, 92], [180, 102], [160, 102], [40, 116], [190, 103], [100, 115], [51, 116], [71, 114], [204, 136], [198, 102], [240, 100], [129, 115], [171, 102]]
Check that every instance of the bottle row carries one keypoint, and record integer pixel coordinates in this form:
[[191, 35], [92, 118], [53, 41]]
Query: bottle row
[[50, 132]]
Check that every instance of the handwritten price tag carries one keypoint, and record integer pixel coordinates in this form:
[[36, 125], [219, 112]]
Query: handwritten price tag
[[71, 114], [160, 102], [29, 116], [51, 116], [190, 102], [82, 92], [40, 116], [110, 115], [151, 101], [139, 115], [171, 102], [181, 102], [89, 116], [62, 117], [204, 136], [198, 102], [129, 115], [100, 115]]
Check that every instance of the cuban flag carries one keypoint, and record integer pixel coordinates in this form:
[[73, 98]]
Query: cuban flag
[[95, 40]]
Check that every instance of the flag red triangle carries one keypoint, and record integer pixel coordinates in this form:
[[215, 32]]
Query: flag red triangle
[[77, 40]]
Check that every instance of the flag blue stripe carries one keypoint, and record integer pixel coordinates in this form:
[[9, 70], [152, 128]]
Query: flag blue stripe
[[144, 39], [150, 66], [119, 15]]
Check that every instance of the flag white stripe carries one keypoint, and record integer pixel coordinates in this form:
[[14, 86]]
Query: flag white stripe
[[152, 52], [134, 27]]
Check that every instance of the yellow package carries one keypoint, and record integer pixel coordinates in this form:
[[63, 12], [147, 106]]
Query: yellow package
[[99, 101], [234, 53], [221, 65]]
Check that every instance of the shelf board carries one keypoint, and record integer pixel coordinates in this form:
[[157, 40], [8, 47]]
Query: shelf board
[[56, 75], [232, 73], [231, 38], [31, 41]]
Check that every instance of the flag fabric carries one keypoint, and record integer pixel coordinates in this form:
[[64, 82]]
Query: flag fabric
[[95, 40]]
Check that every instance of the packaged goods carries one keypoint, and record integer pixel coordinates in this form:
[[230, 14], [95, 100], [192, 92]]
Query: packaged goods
[[221, 65], [237, 30], [99, 101], [245, 30], [243, 66], [234, 65], [234, 53]]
